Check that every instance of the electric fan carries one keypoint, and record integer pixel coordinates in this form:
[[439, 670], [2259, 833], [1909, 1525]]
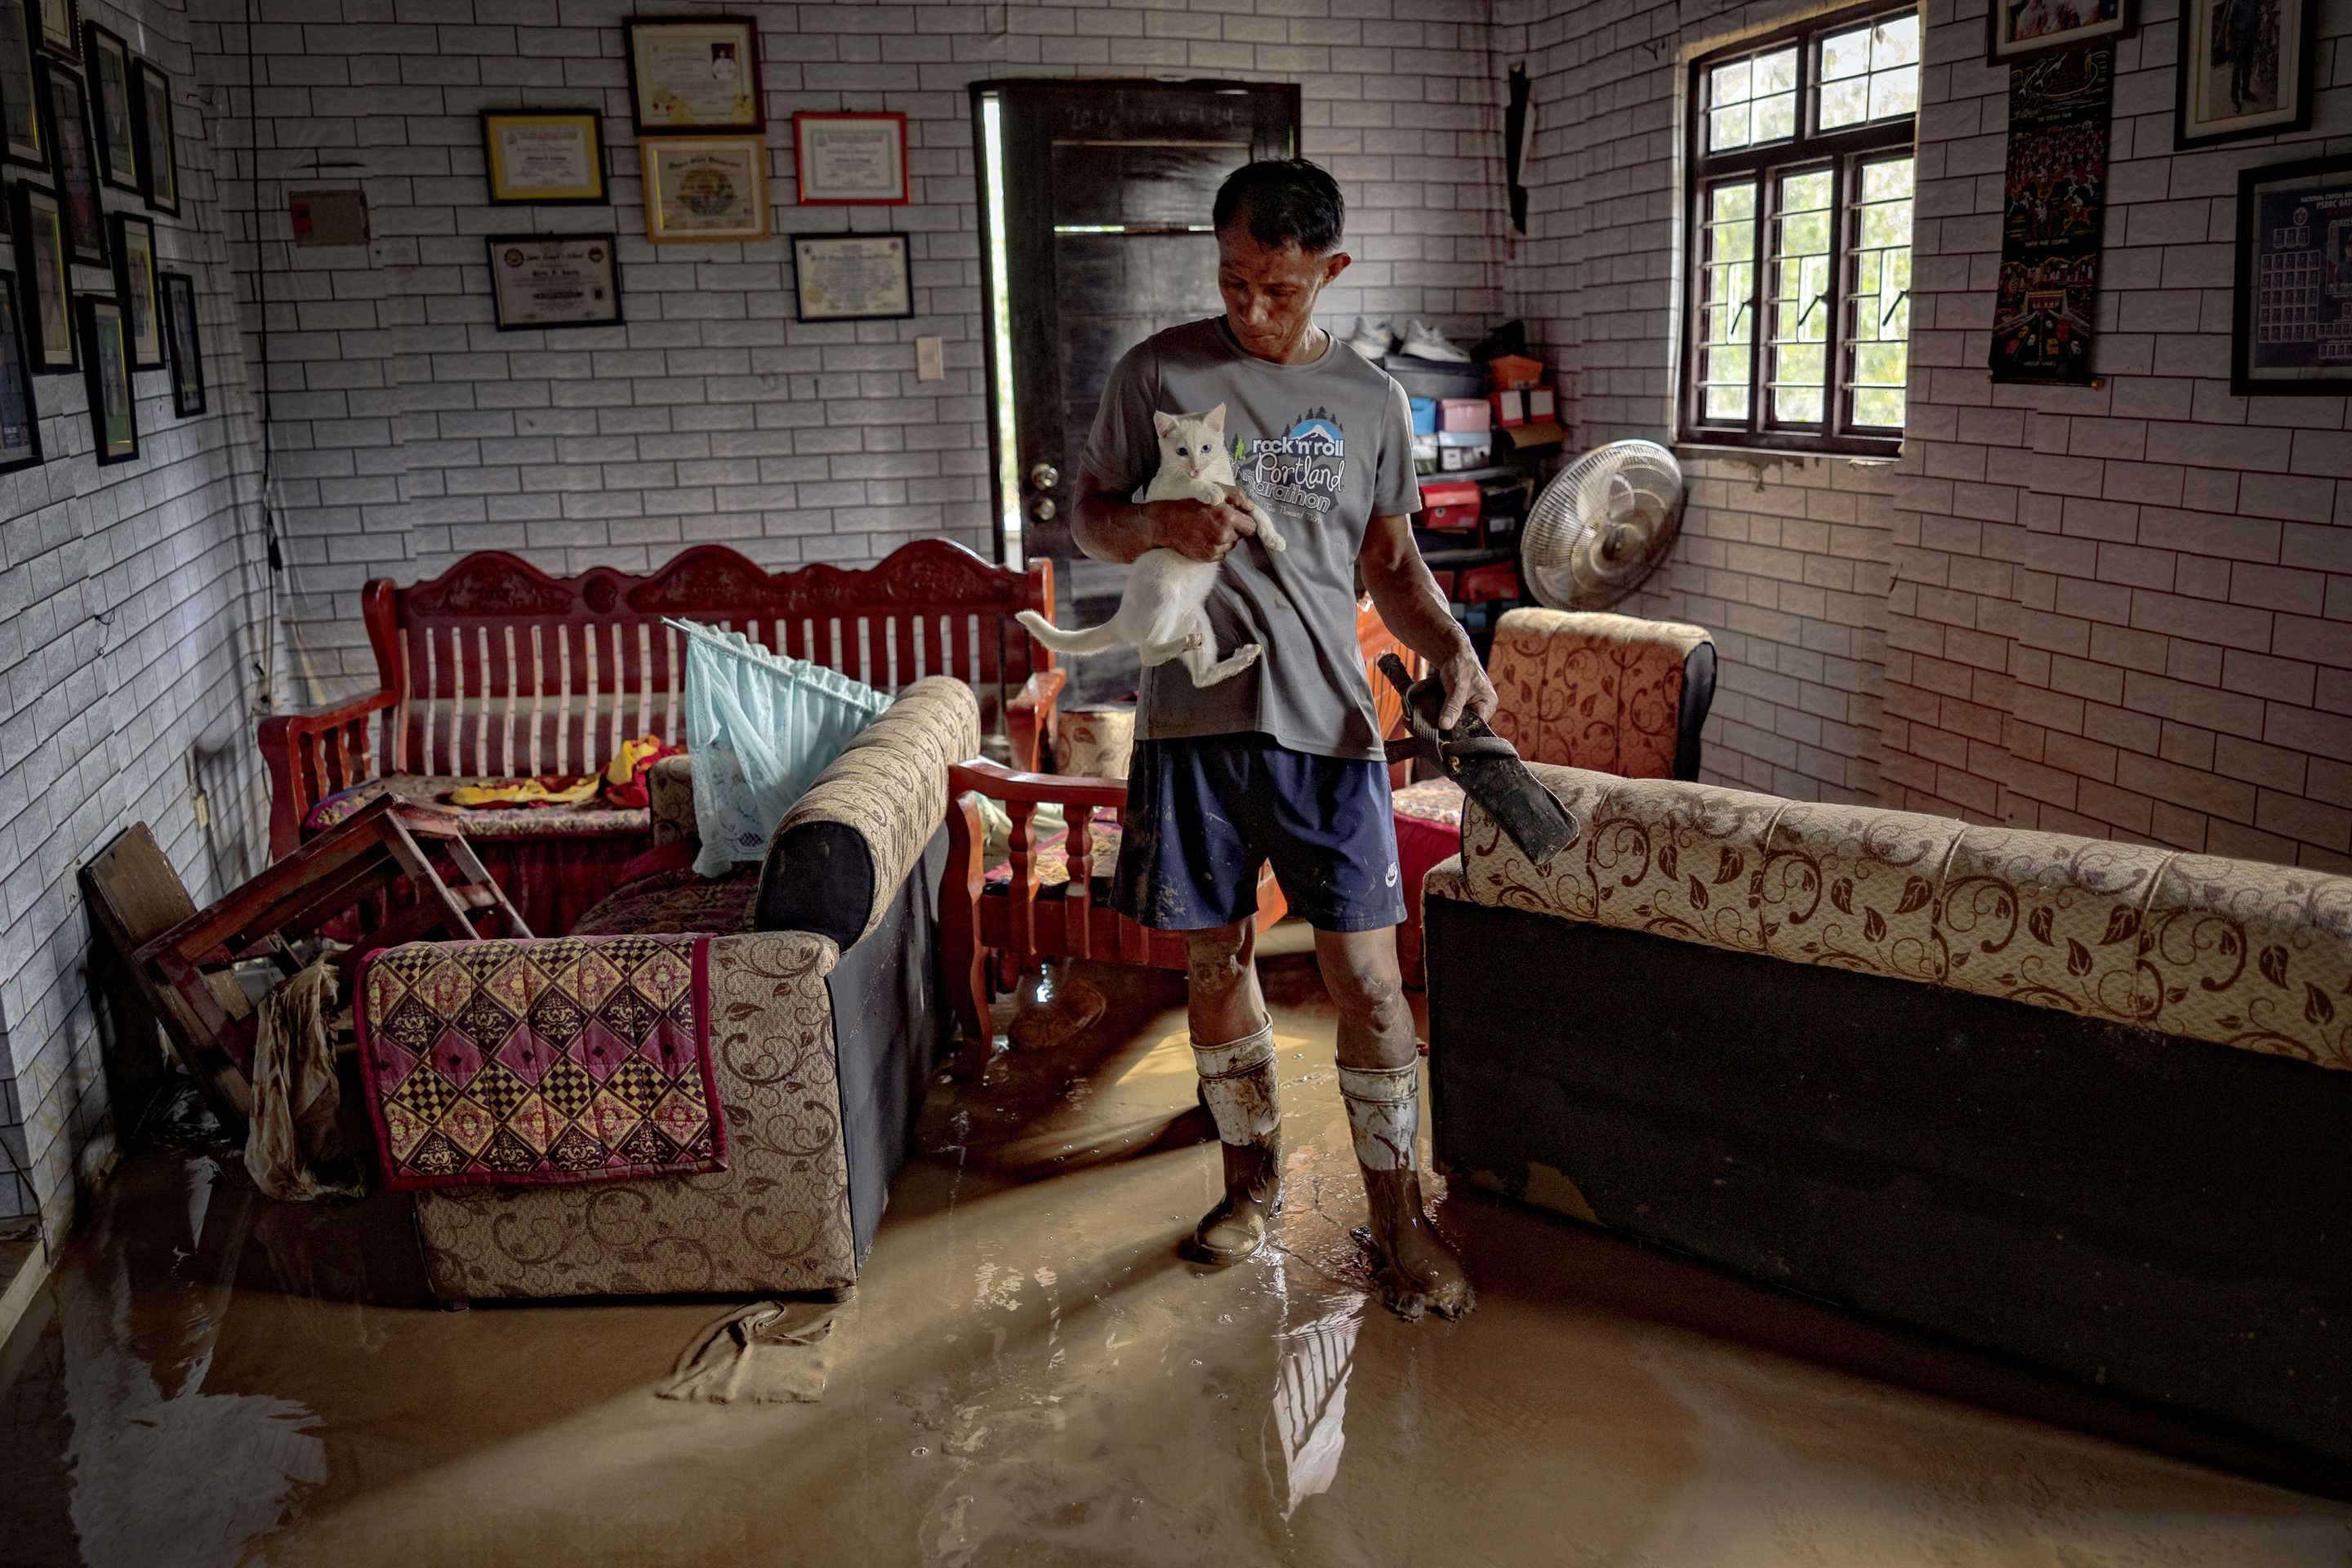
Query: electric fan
[[1601, 526]]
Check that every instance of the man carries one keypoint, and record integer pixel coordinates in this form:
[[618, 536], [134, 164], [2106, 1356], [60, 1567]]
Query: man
[[1281, 763]]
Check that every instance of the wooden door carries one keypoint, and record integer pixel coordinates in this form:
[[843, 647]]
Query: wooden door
[[1105, 188]]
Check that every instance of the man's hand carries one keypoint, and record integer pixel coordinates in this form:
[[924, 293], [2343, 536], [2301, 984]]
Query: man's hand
[[1201, 530], [1466, 685]]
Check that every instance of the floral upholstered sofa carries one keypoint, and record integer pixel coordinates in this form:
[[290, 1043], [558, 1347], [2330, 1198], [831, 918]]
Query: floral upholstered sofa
[[825, 1015], [2081, 1103]]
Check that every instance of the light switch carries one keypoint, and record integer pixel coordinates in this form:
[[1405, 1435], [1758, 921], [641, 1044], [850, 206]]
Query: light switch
[[930, 359]]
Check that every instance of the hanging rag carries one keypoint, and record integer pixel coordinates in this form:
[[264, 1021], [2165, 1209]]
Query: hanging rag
[[771, 1353], [295, 1097]]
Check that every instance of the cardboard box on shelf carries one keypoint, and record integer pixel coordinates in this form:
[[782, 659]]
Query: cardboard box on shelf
[[1459, 414], [1540, 403], [1450, 504], [1515, 372], [1509, 408], [1545, 432]]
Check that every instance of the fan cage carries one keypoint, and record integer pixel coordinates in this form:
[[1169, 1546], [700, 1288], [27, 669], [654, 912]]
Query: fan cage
[[1562, 559]]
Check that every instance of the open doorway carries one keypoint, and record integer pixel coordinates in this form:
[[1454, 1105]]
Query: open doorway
[[1095, 201]]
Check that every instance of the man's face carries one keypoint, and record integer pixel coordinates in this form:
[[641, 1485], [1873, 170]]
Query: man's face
[[1270, 291]]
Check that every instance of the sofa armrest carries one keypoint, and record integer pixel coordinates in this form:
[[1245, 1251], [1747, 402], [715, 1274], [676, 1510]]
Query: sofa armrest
[[309, 756], [1031, 723], [669, 792], [835, 861]]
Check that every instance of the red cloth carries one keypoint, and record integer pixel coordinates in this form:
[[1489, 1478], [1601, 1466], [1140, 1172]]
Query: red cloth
[[1428, 830], [676, 855]]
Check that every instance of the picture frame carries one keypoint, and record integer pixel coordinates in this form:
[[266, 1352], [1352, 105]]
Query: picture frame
[[43, 279], [853, 277], [186, 348], [136, 286], [695, 74], [535, 157], [549, 282], [2211, 104], [151, 119], [705, 189], [61, 28], [2291, 311], [21, 137], [850, 160], [105, 364], [2018, 30], [73, 163], [184, 343], [113, 132], [20, 411]]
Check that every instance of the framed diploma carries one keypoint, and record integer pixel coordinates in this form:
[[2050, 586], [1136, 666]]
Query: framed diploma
[[20, 413], [853, 277], [705, 188], [20, 107], [41, 257], [533, 156], [694, 73], [110, 121], [151, 117], [61, 28], [554, 280], [106, 365], [187, 350], [851, 159], [136, 286], [75, 164]]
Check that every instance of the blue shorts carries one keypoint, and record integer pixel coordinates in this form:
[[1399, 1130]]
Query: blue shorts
[[1205, 813]]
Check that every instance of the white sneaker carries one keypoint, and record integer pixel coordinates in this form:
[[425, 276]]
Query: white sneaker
[[1373, 342], [1422, 341]]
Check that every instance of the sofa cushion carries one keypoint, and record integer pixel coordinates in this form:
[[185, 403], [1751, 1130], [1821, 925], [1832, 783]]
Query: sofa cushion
[[593, 820], [2235, 952], [679, 899], [843, 848]]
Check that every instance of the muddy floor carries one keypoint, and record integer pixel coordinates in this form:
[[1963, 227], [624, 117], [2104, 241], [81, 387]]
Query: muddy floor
[[1029, 1374]]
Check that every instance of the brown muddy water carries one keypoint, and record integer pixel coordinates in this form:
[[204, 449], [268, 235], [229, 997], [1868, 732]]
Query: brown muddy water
[[1030, 1375]]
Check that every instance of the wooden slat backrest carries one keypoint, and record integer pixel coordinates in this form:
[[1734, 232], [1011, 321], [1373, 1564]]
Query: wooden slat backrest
[[503, 669]]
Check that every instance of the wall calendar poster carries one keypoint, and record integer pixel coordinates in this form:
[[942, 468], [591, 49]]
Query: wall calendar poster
[[2293, 327], [2053, 202]]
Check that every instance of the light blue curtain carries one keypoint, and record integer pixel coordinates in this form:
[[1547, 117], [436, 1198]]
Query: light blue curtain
[[759, 728]]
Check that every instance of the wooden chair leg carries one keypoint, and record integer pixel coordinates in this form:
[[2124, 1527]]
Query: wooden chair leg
[[966, 961]]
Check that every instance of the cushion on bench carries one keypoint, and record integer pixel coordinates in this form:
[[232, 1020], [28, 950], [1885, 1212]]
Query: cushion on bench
[[2241, 953], [592, 820], [682, 899]]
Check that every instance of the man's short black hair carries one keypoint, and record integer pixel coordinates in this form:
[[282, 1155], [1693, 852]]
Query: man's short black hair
[[1284, 199]]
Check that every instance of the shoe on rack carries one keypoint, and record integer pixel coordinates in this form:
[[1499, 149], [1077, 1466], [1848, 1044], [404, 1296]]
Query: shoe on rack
[[1422, 341], [1374, 342]]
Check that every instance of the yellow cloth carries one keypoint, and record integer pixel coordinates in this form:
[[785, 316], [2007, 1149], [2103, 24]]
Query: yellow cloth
[[533, 792]]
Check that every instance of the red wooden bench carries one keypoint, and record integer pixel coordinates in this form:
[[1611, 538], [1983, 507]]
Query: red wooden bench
[[495, 669]]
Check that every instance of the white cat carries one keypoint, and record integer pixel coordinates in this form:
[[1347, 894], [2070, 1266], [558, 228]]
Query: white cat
[[1163, 614]]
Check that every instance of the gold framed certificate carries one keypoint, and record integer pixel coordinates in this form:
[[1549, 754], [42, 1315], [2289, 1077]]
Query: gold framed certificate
[[536, 156], [705, 188], [853, 277], [554, 280], [851, 159], [694, 73]]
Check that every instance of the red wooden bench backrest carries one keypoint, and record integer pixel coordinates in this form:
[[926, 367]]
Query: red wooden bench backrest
[[503, 669]]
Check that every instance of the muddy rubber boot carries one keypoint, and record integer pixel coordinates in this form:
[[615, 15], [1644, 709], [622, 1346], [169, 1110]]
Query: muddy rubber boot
[[1413, 1269], [1237, 1084]]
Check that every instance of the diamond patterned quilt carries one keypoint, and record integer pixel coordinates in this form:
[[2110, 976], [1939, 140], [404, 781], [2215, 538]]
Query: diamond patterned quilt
[[532, 1063]]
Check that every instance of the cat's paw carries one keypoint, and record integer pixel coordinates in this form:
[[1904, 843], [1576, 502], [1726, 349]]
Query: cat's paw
[[1246, 655], [1198, 639], [1274, 541]]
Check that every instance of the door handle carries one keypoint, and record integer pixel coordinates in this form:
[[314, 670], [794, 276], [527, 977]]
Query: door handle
[[1044, 476], [1043, 509]]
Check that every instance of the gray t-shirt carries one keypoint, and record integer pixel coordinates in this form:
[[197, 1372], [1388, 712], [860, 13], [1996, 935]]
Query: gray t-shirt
[[1324, 449]]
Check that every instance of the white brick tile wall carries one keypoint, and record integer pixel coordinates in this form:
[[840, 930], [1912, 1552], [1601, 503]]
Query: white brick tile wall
[[2121, 611], [132, 613], [712, 414]]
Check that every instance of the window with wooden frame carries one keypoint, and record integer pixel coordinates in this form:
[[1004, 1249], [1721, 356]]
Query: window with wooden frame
[[1799, 321]]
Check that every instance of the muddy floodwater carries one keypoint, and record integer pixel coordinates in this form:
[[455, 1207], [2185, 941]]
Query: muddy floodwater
[[1029, 1374]]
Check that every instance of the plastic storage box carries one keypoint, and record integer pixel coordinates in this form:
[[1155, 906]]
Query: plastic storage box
[[1425, 415]]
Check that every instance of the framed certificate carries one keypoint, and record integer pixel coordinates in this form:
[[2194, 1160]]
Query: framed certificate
[[106, 363], [61, 28], [135, 284], [851, 159], [853, 277], [554, 280], [538, 157], [20, 105], [187, 350], [20, 414], [159, 158], [110, 122], [2291, 330], [705, 188], [75, 164], [694, 73], [41, 256]]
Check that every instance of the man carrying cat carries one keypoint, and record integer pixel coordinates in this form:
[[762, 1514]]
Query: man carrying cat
[[1284, 762]]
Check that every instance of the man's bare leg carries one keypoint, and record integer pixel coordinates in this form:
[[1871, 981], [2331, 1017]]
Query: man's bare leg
[[1232, 1044], [1379, 1077]]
